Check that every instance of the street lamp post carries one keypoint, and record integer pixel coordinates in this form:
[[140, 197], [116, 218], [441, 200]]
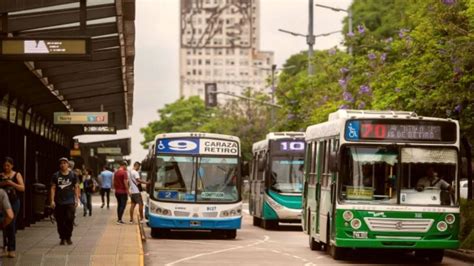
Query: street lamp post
[[349, 13], [310, 39]]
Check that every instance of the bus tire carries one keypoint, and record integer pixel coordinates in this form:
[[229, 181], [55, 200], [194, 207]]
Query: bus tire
[[269, 224], [157, 232], [231, 234], [313, 245], [433, 255], [337, 253], [256, 221]]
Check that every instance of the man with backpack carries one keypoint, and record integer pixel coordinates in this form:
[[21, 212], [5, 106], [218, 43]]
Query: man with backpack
[[65, 194]]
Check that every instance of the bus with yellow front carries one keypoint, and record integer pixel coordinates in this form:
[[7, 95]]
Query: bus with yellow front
[[382, 179]]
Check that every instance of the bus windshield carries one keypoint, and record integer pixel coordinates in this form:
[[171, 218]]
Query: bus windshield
[[287, 174], [191, 179], [370, 175]]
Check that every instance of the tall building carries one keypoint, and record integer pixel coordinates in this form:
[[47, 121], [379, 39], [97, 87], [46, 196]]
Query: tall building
[[220, 44]]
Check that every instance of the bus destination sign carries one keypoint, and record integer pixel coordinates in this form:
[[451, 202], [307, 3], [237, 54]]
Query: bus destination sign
[[197, 146], [288, 146], [359, 130]]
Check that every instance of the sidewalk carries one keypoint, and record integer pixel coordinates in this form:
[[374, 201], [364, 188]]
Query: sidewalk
[[97, 240]]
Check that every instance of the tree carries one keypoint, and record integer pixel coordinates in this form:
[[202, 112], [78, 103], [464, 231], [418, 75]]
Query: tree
[[184, 115]]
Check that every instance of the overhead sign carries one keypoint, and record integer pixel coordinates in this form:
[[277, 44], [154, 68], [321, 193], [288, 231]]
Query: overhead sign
[[197, 146], [99, 130], [114, 158], [81, 118], [285, 146], [75, 153], [109, 150], [31, 48]]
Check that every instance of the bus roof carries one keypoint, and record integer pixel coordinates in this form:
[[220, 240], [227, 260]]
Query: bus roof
[[335, 123], [263, 144], [197, 135]]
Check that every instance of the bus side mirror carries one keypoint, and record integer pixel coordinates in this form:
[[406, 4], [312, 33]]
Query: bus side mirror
[[245, 168], [333, 162], [261, 164]]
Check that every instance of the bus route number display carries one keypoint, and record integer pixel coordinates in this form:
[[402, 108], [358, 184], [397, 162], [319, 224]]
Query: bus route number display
[[288, 146], [372, 130]]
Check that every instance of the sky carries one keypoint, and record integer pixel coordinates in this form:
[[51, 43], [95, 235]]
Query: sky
[[157, 51]]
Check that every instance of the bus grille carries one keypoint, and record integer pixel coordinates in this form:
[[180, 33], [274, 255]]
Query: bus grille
[[181, 214], [209, 214], [398, 225]]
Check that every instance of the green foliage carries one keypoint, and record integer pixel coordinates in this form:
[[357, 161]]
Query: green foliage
[[408, 55], [184, 115], [466, 235]]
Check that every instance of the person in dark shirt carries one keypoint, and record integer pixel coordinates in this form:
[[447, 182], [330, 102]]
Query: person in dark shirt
[[65, 194], [120, 184]]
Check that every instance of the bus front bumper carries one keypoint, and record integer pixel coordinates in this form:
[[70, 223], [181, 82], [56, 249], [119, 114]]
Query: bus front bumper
[[156, 221], [397, 243]]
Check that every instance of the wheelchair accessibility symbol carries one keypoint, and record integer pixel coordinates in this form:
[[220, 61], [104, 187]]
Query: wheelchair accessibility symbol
[[352, 130]]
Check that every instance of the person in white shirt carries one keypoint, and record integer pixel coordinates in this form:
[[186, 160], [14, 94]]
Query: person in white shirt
[[135, 189]]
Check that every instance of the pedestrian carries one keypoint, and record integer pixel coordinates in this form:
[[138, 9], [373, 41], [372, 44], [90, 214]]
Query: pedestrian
[[120, 184], [6, 211], [135, 191], [89, 187], [105, 185], [80, 179], [12, 182], [65, 194]]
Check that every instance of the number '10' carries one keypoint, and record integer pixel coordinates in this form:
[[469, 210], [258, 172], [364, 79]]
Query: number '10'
[[292, 146]]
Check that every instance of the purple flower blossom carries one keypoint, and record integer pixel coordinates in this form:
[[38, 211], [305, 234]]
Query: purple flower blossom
[[344, 70], [325, 98], [457, 70], [364, 89], [291, 116], [343, 106], [397, 90], [361, 105], [401, 33], [343, 83], [350, 34], [389, 40], [449, 2], [383, 57], [361, 29], [347, 96], [458, 108], [371, 56], [332, 51]]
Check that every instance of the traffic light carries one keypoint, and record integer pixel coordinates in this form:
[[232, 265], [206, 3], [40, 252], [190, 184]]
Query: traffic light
[[210, 96]]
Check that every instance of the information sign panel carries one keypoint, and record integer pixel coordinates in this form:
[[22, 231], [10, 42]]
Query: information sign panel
[[109, 150], [40, 48], [95, 130], [81, 118]]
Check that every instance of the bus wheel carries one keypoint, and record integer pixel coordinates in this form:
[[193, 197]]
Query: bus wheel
[[337, 253], [256, 221], [157, 232], [231, 234], [433, 255], [269, 224], [313, 245]]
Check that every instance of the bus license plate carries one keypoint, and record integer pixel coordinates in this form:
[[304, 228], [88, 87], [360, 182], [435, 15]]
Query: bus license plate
[[359, 234], [195, 223]]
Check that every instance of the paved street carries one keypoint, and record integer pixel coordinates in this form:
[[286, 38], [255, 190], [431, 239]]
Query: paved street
[[256, 246]]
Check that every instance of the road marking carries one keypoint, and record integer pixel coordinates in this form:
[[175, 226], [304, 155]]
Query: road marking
[[319, 257], [309, 264], [265, 239]]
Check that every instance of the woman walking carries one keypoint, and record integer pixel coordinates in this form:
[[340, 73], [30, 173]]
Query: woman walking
[[12, 183], [89, 187]]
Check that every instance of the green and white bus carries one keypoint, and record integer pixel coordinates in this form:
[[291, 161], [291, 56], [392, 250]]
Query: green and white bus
[[276, 179], [362, 183]]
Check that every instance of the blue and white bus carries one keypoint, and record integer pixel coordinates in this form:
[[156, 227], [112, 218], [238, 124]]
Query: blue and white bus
[[195, 183]]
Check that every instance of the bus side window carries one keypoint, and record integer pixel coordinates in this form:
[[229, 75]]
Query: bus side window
[[261, 156], [324, 161], [308, 165], [253, 172], [313, 163]]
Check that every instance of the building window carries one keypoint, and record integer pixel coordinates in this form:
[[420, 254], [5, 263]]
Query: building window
[[208, 61]]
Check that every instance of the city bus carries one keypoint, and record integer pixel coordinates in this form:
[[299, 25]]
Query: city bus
[[195, 184], [276, 179], [363, 171]]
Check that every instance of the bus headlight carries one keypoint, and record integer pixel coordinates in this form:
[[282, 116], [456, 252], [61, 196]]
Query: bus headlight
[[356, 223], [347, 215], [158, 210], [450, 218], [442, 226], [232, 212]]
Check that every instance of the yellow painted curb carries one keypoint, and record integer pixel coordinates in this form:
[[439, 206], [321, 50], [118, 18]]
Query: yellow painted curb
[[140, 244]]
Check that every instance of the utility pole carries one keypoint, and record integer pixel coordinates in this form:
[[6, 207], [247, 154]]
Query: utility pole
[[349, 13], [273, 93], [310, 39]]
